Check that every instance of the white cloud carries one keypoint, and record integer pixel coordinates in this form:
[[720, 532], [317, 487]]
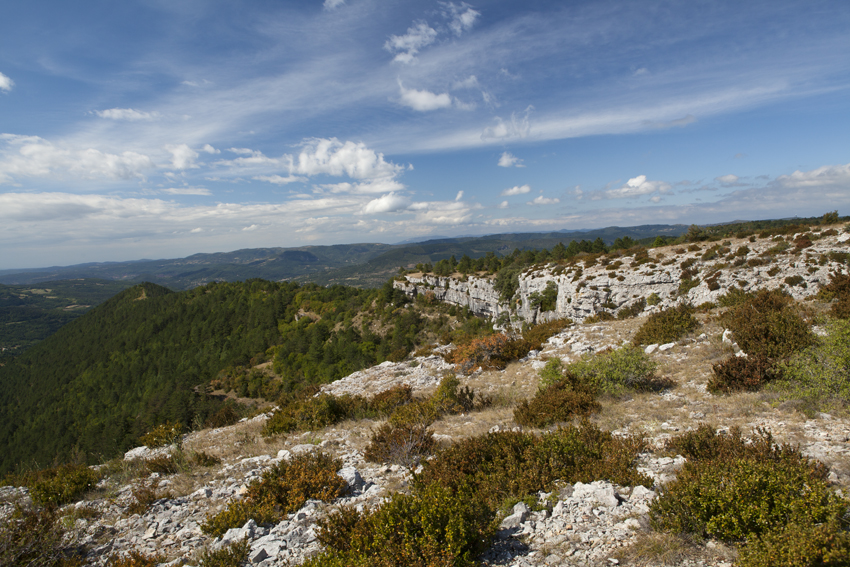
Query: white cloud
[[182, 156], [503, 205], [332, 157], [129, 114], [196, 230], [442, 212], [516, 127], [6, 83], [459, 196], [424, 101], [187, 191], [641, 71], [826, 176], [280, 180], [541, 200], [333, 4], [31, 156], [462, 17], [210, 150], [251, 228], [638, 186], [408, 45], [390, 202], [727, 179], [516, 190], [509, 160], [470, 82]]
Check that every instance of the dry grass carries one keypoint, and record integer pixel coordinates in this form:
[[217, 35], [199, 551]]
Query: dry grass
[[661, 550]]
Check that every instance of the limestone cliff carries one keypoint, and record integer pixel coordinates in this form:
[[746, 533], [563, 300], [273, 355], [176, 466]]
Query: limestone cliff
[[695, 274]]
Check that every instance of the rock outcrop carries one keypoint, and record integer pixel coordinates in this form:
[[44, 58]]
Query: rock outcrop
[[668, 275]]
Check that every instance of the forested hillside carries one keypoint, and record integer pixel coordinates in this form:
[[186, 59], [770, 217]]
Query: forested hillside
[[148, 356]]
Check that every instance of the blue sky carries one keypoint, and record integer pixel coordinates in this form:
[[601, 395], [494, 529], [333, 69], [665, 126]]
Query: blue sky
[[160, 129]]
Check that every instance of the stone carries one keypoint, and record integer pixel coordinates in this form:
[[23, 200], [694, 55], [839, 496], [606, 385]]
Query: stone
[[651, 348], [666, 347], [597, 491], [352, 477]]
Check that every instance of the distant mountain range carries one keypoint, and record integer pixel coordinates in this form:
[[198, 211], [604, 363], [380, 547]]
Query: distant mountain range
[[361, 265]]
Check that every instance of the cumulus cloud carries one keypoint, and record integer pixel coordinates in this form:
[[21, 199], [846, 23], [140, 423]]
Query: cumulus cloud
[[442, 212], [638, 186], [826, 176], [405, 47], [503, 205], [32, 156], [182, 156], [424, 101], [461, 17], [516, 190], [332, 157], [187, 191], [129, 114], [333, 4], [388, 203], [541, 200], [510, 160], [729, 180], [210, 150], [6, 83]]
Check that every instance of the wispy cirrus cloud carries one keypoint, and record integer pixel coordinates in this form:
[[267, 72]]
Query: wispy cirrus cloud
[[129, 114]]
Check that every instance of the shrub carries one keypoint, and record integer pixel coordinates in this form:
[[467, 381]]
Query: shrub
[[560, 401], [838, 289], [768, 324], [632, 310], [404, 444], [819, 374], [795, 281], [162, 464], [60, 485], [653, 299], [384, 403], [738, 373], [616, 371], [163, 434], [666, 326], [306, 413], [433, 527], [506, 465], [225, 416], [281, 489], [231, 555], [687, 285], [799, 545], [741, 498], [599, 317], [734, 296], [144, 494], [34, 538]]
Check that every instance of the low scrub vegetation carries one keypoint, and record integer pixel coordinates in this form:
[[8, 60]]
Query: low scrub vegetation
[[768, 324], [282, 489], [56, 486], [817, 377], [561, 400], [666, 326], [34, 537], [740, 374], [614, 371], [750, 494]]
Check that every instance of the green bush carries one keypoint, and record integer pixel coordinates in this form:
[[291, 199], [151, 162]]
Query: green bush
[[163, 434], [666, 326], [135, 559], [799, 545], [558, 402], [733, 500], [768, 324], [632, 310], [307, 413], [433, 527], [615, 371], [225, 416], [819, 374], [734, 490], [281, 489], [733, 297], [738, 373], [61, 485], [506, 465], [34, 538], [653, 299], [231, 555]]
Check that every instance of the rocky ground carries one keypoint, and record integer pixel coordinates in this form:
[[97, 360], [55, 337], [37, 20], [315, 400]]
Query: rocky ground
[[593, 524]]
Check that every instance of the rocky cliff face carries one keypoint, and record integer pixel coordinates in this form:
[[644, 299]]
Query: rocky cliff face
[[664, 277]]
